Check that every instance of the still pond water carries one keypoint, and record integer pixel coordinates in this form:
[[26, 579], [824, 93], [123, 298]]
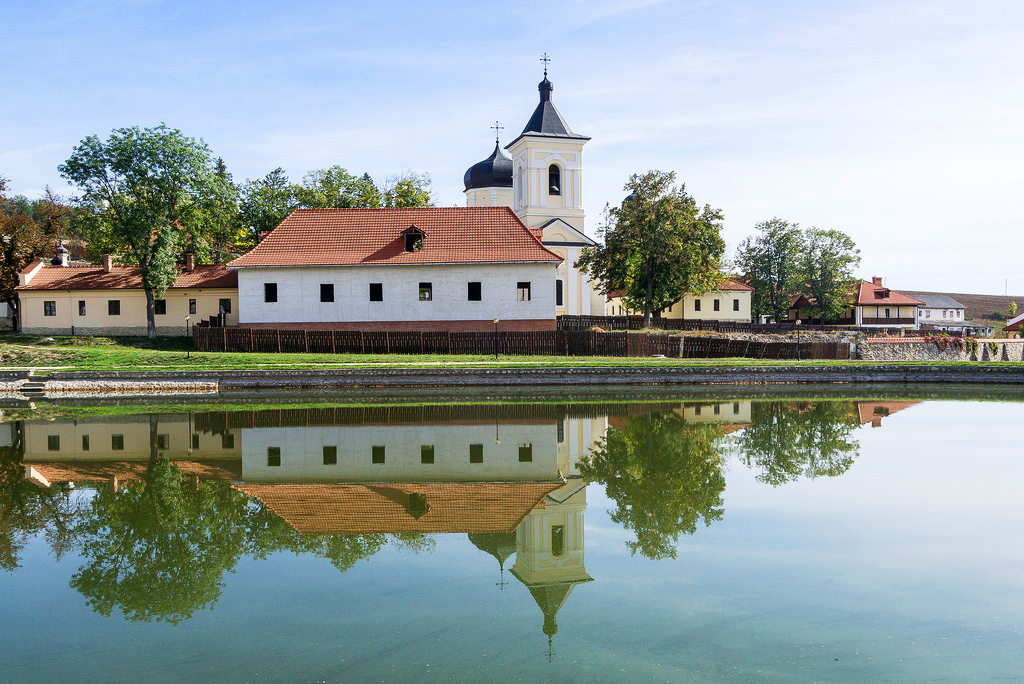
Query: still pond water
[[673, 540]]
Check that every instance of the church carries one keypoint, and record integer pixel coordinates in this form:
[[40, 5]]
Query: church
[[541, 178]]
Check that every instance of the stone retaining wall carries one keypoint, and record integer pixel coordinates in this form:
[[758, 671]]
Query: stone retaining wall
[[903, 350]]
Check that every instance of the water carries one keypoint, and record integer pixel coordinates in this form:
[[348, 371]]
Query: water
[[724, 539]]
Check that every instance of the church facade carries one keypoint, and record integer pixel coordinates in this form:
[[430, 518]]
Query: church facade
[[541, 179]]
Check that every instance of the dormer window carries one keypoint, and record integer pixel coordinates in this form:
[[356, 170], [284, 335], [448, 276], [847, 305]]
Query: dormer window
[[554, 180], [413, 240]]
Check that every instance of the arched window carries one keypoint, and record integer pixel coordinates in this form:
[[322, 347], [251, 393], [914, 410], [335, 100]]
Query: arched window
[[554, 180]]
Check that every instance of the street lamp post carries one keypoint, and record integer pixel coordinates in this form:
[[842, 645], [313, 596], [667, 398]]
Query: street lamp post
[[798, 339], [188, 342], [496, 338]]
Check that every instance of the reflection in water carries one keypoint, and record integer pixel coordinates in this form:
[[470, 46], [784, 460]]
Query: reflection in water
[[178, 500]]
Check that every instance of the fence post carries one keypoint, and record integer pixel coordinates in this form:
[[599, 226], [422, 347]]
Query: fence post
[[305, 340], [334, 341], [278, 340], [362, 342], [225, 331], [250, 339]]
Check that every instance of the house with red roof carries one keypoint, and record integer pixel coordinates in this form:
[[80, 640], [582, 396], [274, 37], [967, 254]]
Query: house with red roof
[[109, 299], [452, 268], [730, 302], [872, 305]]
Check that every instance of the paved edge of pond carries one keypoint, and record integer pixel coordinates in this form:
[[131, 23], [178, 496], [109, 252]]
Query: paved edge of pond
[[205, 381]]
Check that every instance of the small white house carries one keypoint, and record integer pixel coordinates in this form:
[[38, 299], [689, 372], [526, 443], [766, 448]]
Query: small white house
[[455, 269]]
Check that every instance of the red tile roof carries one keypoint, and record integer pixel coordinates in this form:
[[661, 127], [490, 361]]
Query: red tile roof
[[102, 471], [869, 294], [335, 237], [385, 508], [122, 278]]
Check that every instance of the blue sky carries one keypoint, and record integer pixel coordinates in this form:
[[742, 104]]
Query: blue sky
[[899, 123]]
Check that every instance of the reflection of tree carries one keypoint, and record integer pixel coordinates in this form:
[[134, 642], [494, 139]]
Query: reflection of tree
[[787, 441], [158, 549], [665, 476], [27, 510]]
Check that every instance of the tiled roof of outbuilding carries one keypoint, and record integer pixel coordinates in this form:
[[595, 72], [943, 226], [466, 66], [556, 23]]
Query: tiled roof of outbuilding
[[452, 235], [870, 294], [122, 277]]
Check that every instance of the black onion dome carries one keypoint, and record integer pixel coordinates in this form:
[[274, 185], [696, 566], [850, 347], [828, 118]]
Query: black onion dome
[[493, 172]]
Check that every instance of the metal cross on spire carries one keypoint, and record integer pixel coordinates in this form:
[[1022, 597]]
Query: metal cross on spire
[[497, 127], [544, 58]]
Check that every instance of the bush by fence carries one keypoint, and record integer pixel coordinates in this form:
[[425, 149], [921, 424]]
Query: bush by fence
[[528, 343]]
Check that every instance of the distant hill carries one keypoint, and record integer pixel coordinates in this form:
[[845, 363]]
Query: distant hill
[[979, 307]]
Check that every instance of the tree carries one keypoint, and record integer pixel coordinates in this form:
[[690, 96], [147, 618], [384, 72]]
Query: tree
[[263, 203], [658, 245], [772, 265], [148, 189], [29, 230], [827, 272], [664, 475], [1011, 310], [335, 187], [406, 190]]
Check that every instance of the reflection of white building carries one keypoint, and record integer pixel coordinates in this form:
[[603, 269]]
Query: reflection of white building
[[715, 412]]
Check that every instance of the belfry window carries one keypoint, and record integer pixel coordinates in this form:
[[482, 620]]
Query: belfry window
[[554, 180]]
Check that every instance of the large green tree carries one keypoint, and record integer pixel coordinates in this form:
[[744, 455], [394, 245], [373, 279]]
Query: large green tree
[[771, 263], [151, 191], [658, 245], [263, 203], [664, 475], [827, 272]]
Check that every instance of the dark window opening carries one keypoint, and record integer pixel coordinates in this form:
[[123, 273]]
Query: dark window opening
[[113, 307], [735, 305], [117, 442], [49, 308], [376, 292], [160, 307], [426, 292], [413, 241], [557, 540], [377, 456], [53, 442], [224, 306], [195, 440], [717, 410], [525, 453], [85, 442], [717, 305], [273, 456], [330, 455], [163, 442], [474, 292], [326, 292], [476, 453], [561, 430], [81, 307], [559, 297], [696, 410], [696, 305], [554, 180], [887, 313], [426, 453], [523, 291], [735, 407], [227, 441], [269, 292], [192, 306]]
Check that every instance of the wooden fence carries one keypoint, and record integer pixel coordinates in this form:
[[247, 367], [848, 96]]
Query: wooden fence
[[637, 323], [527, 343]]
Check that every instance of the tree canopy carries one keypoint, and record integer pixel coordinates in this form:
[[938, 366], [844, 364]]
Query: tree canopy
[[658, 245], [152, 191], [827, 272]]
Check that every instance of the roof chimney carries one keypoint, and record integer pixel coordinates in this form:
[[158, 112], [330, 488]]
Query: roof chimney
[[877, 280], [190, 262], [108, 263]]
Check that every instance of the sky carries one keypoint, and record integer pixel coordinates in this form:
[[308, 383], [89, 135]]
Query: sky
[[899, 123]]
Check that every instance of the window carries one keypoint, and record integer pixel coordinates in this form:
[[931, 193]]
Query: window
[[426, 453], [476, 453], [376, 292], [554, 180], [117, 442], [523, 291], [426, 292], [49, 308], [525, 453], [113, 307], [557, 540], [273, 456], [696, 410], [85, 442], [474, 292], [163, 442], [53, 442], [561, 430], [195, 440], [928, 313], [413, 241], [326, 292], [559, 287], [192, 306], [330, 455], [81, 307], [224, 306], [717, 409], [696, 305], [269, 292], [716, 305], [227, 440], [160, 307], [888, 313], [735, 305], [735, 407], [377, 456]]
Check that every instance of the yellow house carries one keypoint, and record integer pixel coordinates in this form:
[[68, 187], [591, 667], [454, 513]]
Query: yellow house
[[730, 302], [109, 300]]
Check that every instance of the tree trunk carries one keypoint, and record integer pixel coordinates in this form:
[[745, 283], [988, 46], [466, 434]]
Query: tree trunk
[[648, 298], [150, 314]]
